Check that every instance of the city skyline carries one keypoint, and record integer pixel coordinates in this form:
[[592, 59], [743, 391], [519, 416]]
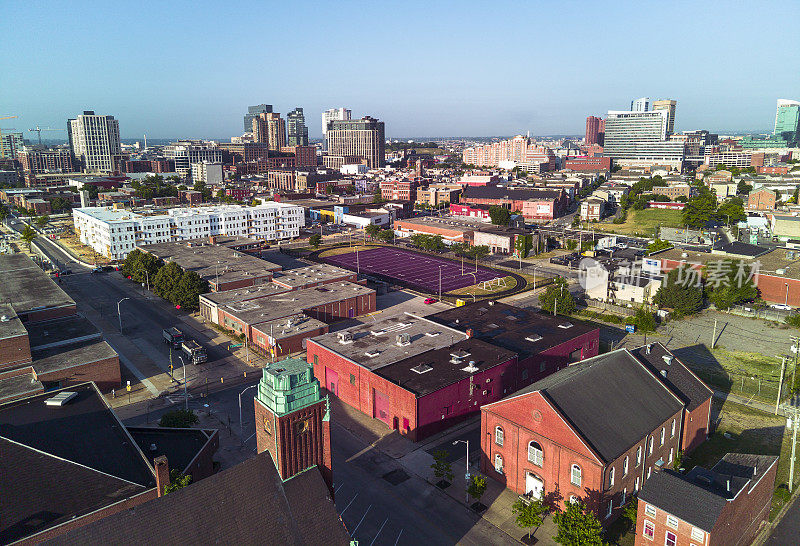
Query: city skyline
[[447, 96]]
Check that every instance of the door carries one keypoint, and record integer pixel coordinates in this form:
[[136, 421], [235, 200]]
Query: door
[[332, 381], [533, 486], [380, 407]]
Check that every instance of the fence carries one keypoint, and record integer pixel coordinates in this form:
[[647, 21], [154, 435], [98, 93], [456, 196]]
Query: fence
[[766, 313]]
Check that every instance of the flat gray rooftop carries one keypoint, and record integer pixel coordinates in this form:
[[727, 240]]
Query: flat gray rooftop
[[19, 385], [243, 294], [61, 331], [289, 303], [375, 345], [212, 262], [12, 326], [63, 358], [304, 276], [282, 328], [26, 287]]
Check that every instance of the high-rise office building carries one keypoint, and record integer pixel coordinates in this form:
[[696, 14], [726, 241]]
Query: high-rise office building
[[595, 127], [94, 141], [640, 105], [640, 138], [186, 152], [787, 120], [253, 111], [363, 138], [297, 132], [10, 144], [270, 129], [669, 106], [341, 114]]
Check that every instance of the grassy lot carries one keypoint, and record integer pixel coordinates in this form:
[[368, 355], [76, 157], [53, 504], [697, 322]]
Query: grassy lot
[[643, 223], [478, 289], [344, 250]]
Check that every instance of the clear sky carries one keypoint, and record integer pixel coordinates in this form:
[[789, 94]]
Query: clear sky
[[189, 69]]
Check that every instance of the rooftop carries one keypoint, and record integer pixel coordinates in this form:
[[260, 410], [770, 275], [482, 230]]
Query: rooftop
[[768, 263], [674, 374], [24, 384], [61, 331], [453, 223], [375, 345], [513, 328], [261, 310], [242, 294], [495, 192], [26, 287], [699, 496], [596, 396], [179, 445], [313, 274], [435, 369], [11, 325], [290, 326], [72, 355]]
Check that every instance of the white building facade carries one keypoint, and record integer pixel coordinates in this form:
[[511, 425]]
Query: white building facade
[[187, 152], [208, 172], [94, 141], [115, 233]]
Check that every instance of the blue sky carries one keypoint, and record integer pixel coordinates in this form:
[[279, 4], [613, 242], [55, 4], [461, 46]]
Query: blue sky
[[443, 68]]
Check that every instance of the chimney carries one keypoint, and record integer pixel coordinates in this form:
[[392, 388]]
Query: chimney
[[212, 239], [647, 350], [162, 474], [469, 333]]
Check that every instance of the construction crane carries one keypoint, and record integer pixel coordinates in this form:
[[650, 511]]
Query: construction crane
[[39, 132], [1, 131]]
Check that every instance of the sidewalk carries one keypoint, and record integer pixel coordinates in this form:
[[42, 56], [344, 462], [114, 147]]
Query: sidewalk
[[414, 458]]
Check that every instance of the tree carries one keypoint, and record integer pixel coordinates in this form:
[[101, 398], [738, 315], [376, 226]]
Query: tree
[[372, 230], [578, 526], [42, 221], [793, 320], [177, 481], [572, 244], [28, 235], [727, 285], [529, 514], [476, 487], [681, 291], [386, 235], [644, 320], [166, 280], [141, 266], [630, 510], [699, 209], [558, 292], [188, 289], [255, 202], [315, 240], [731, 211], [500, 215], [3, 212], [441, 466], [178, 419], [59, 204], [523, 245], [658, 245], [745, 188]]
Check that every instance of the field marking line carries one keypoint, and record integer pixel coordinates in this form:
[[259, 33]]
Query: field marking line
[[398, 537], [379, 532], [348, 505], [362, 520]]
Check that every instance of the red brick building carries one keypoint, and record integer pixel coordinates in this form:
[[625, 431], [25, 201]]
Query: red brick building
[[472, 211], [761, 199], [593, 432], [533, 204], [588, 163], [399, 190], [724, 506], [304, 156], [43, 161]]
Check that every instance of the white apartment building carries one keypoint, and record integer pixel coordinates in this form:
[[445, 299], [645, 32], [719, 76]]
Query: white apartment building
[[94, 141], [208, 172], [340, 114], [114, 233], [187, 152]]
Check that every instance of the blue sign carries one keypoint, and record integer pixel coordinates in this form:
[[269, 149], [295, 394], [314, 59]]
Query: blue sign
[[631, 328]]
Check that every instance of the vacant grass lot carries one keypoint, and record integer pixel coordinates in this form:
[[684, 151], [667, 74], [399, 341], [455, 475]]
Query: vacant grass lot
[[345, 250], [643, 223], [478, 289]]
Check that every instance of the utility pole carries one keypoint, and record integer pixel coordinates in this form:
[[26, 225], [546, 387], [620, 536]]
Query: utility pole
[[780, 383], [714, 334], [796, 350], [795, 413]]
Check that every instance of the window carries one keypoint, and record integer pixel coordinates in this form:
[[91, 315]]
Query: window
[[670, 539], [610, 508], [698, 534], [624, 495], [636, 485], [662, 436], [316, 360], [649, 530], [672, 521], [535, 454], [611, 478], [649, 469], [625, 467], [498, 436], [672, 433], [670, 454], [575, 477], [498, 463], [524, 374], [573, 499], [650, 447], [352, 379], [650, 510], [638, 456]]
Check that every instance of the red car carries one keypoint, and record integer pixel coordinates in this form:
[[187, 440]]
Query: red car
[[429, 301]]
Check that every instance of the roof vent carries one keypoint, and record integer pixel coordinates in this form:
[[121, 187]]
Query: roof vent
[[403, 339], [667, 359], [153, 447], [373, 353], [647, 348], [4, 318], [459, 356], [422, 368], [345, 337], [565, 325], [61, 399], [533, 338], [471, 367], [663, 373], [432, 334]]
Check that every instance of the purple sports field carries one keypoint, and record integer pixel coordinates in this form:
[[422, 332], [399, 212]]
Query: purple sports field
[[418, 270]]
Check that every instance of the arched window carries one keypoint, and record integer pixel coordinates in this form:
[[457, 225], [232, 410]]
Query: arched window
[[673, 428], [535, 454], [625, 467], [650, 447], [611, 478], [638, 455], [574, 500], [662, 436], [575, 477], [498, 436], [498, 463]]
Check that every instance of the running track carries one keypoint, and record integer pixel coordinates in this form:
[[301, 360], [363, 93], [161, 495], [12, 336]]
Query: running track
[[419, 270]]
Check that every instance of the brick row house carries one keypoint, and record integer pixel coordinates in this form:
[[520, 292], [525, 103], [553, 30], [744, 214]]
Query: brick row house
[[594, 431]]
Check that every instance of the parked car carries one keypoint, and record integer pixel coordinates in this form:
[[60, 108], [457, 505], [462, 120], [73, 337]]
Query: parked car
[[429, 301], [96, 270], [781, 306]]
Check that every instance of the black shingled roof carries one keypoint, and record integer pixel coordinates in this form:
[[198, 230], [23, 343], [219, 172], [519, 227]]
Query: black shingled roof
[[679, 379], [245, 504], [611, 400], [494, 192]]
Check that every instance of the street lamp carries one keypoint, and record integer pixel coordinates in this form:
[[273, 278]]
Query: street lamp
[[786, 301], [241, 427], [185, 393], [147, 276], [120, 314], [474, 284], [440, 282], [466, 476]]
